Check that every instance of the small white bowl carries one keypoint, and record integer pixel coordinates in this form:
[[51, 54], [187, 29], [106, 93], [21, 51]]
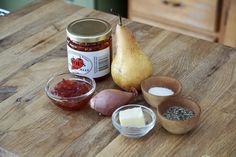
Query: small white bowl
[[134, 132]]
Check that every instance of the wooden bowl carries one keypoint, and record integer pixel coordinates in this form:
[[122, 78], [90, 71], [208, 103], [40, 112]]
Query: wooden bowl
[[159, 81], [178, 126]]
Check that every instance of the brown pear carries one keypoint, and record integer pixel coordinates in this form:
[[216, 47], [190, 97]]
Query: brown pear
[[130, 65]]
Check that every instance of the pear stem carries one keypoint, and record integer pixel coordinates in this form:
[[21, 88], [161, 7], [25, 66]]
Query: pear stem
[[117, 14]]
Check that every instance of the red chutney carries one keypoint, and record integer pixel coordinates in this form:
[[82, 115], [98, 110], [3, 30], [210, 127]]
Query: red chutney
[[68, 90], [71, 88]]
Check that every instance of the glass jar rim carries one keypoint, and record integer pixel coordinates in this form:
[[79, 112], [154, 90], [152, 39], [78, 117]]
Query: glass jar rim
[[89, 30]]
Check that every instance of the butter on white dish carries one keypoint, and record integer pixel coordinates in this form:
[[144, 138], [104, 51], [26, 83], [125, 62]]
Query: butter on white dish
[[160, 91], [132, 117]]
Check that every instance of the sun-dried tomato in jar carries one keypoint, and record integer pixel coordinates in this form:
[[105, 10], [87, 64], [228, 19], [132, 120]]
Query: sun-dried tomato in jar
[[89, 47]]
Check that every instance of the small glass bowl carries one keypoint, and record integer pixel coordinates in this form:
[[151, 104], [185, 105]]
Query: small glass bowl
[[134, 132], [69, 103]]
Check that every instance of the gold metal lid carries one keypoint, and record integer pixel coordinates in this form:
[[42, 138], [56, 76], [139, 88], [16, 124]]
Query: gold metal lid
[[89, 30]]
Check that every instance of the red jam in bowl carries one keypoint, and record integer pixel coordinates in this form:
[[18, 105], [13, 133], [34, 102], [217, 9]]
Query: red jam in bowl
[[70, 92], [71, 88]]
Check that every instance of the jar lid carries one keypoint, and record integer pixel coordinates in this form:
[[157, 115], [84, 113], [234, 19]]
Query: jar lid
[[89, 30]]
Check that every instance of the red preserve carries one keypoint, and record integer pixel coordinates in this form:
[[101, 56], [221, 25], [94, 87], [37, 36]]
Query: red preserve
[[69, 92], [89, 47], [71, 88]]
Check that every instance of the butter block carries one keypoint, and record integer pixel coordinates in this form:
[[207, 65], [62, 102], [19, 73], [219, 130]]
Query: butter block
[[132, 117]]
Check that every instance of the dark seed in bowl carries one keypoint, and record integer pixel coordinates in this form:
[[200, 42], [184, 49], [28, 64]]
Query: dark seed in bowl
[[178, 113]]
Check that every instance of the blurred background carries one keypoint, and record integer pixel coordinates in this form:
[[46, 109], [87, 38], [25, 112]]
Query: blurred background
[[212, 20]]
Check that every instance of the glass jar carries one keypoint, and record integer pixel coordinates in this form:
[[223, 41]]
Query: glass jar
[[89, 48]]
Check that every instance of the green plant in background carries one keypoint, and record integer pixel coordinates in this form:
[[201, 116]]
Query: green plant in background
[[12, 5], [85, 3], [104, 5]]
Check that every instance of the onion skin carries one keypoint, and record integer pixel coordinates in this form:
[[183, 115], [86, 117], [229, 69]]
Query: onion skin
[[108, 100]]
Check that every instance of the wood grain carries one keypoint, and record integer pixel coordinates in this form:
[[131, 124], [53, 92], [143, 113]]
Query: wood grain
[[230, 37], [209, 36], [33, 48], [193, 17]]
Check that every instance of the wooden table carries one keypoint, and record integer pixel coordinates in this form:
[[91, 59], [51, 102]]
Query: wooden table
[[33, 48]]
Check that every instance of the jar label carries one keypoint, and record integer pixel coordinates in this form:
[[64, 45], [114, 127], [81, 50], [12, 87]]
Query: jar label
[[92, 64]]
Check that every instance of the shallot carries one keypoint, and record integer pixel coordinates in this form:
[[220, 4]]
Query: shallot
[[108, 100]]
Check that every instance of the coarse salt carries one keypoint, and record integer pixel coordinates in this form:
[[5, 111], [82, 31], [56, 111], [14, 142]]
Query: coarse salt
[[160, 91]]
